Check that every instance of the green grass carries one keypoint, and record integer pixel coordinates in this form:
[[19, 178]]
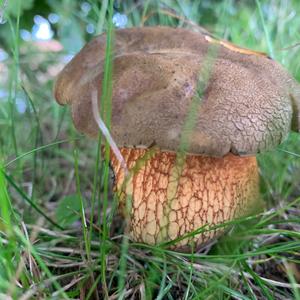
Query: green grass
[[45, 165]]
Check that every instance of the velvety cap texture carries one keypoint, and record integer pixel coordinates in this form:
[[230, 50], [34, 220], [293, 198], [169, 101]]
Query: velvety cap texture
[[247, 102]]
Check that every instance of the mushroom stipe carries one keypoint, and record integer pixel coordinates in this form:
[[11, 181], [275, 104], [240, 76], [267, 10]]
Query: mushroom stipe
[[249, 105], [170, 198]]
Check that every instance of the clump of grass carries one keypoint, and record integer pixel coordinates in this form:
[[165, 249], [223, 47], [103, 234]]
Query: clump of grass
[[89, 257]]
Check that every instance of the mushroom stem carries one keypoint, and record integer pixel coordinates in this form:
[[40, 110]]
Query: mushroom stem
[[169, 201]]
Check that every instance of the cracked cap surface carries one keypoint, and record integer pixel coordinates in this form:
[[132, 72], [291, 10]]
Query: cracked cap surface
[[247, 104]]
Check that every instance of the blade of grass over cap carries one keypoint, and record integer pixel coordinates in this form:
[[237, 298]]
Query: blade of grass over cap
[[105, 113]]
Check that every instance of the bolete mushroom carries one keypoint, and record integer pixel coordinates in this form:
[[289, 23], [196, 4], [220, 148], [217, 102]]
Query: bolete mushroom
[[249, 103]]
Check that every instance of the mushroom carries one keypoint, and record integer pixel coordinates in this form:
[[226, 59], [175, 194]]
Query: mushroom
[[248, 104]]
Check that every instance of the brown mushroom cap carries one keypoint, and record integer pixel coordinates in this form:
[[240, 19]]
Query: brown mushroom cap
[[249, 104]]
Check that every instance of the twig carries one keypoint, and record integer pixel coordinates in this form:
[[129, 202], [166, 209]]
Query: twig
[[104, 130]]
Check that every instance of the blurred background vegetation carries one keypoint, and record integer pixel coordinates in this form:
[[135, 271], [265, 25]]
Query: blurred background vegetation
[[37, 139]]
